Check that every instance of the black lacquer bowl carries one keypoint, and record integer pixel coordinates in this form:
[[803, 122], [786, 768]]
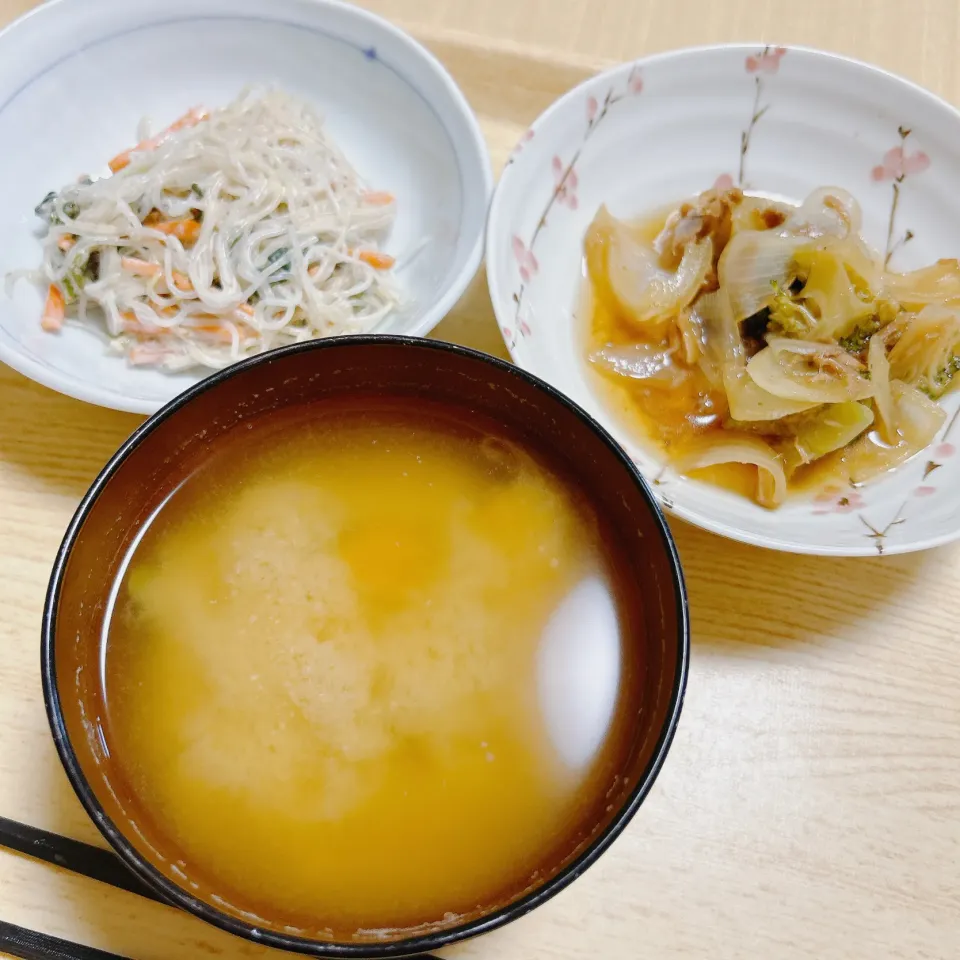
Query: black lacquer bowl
[[143, 471]]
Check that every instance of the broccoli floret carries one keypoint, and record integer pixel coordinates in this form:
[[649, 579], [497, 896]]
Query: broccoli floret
[[788, 315], [859, 338], [943, 380]]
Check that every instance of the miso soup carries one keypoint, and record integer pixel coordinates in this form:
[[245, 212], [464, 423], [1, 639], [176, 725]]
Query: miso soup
[[367, 668]]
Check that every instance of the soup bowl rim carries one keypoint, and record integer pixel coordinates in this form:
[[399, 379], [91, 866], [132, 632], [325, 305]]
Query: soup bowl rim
[[416, 943]]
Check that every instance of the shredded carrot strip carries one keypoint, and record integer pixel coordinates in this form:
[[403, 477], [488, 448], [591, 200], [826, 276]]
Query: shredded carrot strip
[[144, 354], [377, 260], [213, 330], [66, 242], [54, 310], [181, 281], [378, 198], [190, 119], [187, 231], [121, 160], [140, 268], [219, 332], [208, 324], [132, 325]]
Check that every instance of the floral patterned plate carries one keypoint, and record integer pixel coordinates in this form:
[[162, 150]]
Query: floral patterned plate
[[777, 120]]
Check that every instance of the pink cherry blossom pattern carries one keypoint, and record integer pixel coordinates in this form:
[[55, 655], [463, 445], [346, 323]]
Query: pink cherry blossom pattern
[[526, 261], [723, 182], [564, 193], [833, 500], [762, 66], [521, 143], [566, 182], [766, 61], [897, 164], [944, 451], [924, 491]]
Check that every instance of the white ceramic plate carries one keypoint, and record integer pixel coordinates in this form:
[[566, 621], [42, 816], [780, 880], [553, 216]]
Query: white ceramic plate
[[77, 76], [648, 134]]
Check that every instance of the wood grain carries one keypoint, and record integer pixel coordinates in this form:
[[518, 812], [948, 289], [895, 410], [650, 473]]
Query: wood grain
[[810, 806]]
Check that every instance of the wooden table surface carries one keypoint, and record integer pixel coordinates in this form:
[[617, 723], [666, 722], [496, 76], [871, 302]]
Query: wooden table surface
[[810, 806]]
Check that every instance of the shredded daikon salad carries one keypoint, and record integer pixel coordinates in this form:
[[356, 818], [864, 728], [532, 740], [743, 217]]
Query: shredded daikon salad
[[227, 234], [769, 335]]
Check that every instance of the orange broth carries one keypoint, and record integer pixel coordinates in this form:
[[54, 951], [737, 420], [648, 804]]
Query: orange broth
[[342, 667]]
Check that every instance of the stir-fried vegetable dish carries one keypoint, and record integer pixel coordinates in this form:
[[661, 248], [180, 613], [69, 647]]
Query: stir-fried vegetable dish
[[759, 333]]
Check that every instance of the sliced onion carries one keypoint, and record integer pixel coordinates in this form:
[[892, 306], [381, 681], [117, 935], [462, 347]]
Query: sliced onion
[[691, 336], [634, 275], [829, 287], [724, 364], [863, 267], [713, 450], [926, 349], [749, 402], [721, 344], [879, 367], [803, 370], [749, 266], [919, 417], [934, 284], [827, 212], [919, 420], [638, 361]]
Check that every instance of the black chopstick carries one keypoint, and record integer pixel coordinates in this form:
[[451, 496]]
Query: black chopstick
[[83, 858], [78, 857], [30, 945]]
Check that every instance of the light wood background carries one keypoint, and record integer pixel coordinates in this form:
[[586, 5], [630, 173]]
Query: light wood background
[[810, 807]]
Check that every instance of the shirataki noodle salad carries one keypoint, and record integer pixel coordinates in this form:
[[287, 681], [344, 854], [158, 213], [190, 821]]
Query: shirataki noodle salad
[[227, 234]]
